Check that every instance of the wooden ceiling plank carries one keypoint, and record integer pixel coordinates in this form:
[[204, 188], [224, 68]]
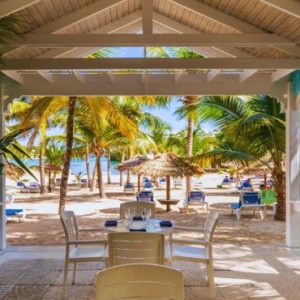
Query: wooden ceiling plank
[[8, 7], [246, 74], [290, 7], [231, 22], [71, 19]]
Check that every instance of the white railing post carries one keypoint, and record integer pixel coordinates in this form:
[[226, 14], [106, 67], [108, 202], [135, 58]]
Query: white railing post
[[292, 170], [2, 177]]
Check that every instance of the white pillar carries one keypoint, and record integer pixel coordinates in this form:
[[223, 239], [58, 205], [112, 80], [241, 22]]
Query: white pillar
[[2, 176], [293, 171]]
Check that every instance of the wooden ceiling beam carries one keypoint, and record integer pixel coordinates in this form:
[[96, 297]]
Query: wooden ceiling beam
[[148, 63], [147, 11], [111, 40]]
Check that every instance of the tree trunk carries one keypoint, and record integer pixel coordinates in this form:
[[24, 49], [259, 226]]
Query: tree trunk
[[121, 172], [279, 186], [168, 191], [93, 180], [42, 170], [68, 154], [128, 176], [100, 178], [108, 168], [42, 160], [189, 151], [87, 164], [139, 182], [49, 182]]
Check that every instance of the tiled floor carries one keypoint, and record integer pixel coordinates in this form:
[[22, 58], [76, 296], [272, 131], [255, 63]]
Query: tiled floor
[[241, 272]]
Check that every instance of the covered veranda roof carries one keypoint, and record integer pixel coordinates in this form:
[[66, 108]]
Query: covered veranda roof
[[248, 49]]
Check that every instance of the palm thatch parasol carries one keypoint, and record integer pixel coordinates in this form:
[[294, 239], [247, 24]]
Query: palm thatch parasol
[[13, 171], [49, 168], [131, 163], [167, 165]]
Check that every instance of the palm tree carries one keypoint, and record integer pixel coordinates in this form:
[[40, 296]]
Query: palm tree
[[37, 113], [188, 102], [11, 149], [68, 154], [103, 123], [253, 130]]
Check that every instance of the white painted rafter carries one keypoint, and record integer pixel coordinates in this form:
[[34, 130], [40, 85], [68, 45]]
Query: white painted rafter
[[110, 40], [14, 75], [231, 22], [279, 74], [290, 7], [8, 7], [46, 75], [78, 76], [148, 63], [246, 74], [212, 74]]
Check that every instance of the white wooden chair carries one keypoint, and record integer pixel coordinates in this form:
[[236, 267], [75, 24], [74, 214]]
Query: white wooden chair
[[139, 281], [138, 206], [197, 250], [79, 250], [135, 247]]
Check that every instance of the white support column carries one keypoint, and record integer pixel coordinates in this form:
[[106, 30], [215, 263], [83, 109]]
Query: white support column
[[2, 176], [293, 171]]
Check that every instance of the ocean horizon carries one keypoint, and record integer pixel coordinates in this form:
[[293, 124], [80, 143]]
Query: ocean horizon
[[78, 165]]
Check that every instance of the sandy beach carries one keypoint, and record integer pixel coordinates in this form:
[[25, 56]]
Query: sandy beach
[[42, 225]]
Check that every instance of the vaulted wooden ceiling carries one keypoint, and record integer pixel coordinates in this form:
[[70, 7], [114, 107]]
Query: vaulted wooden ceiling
[[250, 46]]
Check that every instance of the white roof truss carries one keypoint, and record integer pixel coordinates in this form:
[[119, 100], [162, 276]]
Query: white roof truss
[[225, 70]]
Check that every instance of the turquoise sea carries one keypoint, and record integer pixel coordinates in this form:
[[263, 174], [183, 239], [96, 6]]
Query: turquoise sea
[[78, 165]]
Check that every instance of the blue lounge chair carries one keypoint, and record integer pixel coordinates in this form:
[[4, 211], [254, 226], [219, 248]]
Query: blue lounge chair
[[11, 212], [245, 186], [249, 201], [198, 198], [148, 186], [145, 196], [21, 187], [34, 187], [129, 188]]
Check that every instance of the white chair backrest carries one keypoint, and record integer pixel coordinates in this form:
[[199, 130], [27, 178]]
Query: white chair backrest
[[135, 247], [69, 223], [138, 206], [139, 281], [210, 225]]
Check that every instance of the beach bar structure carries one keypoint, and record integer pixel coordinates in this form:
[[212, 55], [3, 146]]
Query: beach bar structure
[[249, 49]]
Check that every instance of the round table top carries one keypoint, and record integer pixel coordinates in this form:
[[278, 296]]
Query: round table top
[[152, 225], [170, 202]]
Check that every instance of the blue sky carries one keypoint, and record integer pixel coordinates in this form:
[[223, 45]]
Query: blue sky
[[167, 114]]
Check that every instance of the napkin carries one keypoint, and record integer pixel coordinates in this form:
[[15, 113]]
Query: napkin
[[166, 223], [111, 223]]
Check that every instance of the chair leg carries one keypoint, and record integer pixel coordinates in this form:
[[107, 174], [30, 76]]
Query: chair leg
[[211, 280], [66, 270], [238, 213], [74, 273]]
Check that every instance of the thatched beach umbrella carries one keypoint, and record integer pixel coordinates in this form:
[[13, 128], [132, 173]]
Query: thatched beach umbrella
[[13, 171], [49, 168], [131, 163], [167, 165]]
